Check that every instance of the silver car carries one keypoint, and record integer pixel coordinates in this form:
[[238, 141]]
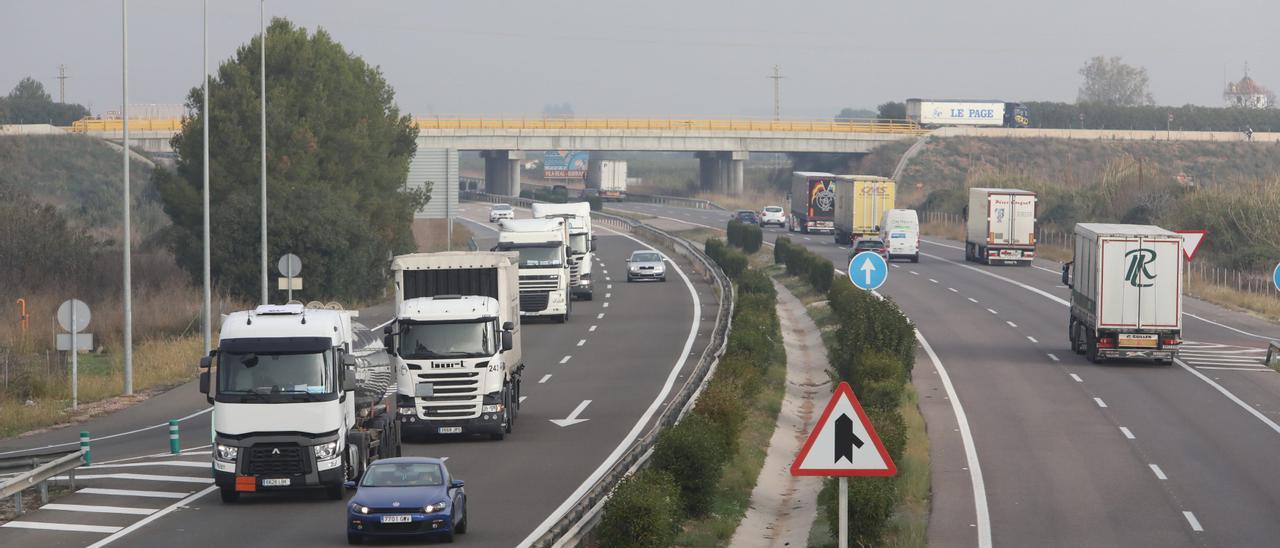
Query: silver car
[[646, 265]]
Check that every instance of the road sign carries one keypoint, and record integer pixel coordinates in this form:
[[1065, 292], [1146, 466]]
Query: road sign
[[83, 342], [289, 284], [290, 265], [843, 443], [867, 270], [1275, 276], [81, 315], [1191, 242]]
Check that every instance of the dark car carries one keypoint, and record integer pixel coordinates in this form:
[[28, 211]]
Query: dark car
[[746, 216], [407, 497], [870, 244]]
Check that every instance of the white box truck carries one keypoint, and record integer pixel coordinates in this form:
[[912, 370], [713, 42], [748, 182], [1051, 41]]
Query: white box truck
[[298, 401], [1000, 226], [455, 342], [900, 231], [608, 178], [813, 202], [543, 245], [582, 243], [1126, 292], [967, 112]]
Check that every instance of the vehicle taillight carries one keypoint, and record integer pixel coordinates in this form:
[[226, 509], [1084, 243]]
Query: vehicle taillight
[[1106, 343], [1170, 341]]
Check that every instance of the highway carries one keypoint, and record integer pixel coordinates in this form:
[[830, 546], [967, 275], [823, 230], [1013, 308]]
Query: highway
[[621, 351], [1068, 453]]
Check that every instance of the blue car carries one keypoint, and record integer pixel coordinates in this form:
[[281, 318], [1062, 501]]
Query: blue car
[[407, 497]]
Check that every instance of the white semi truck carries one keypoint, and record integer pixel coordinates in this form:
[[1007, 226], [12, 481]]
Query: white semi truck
[[1000, 226], [608, 178], [1126, 292], [582, 243], [297, 401], [455, 342], [543, 245]]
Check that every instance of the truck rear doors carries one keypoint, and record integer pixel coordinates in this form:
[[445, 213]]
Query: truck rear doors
[[1140, 282]]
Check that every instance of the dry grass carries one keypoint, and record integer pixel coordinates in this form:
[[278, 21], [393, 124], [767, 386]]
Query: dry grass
[[949, 231], [1264, 306], [430, 235], [754, 199], [910, 522]]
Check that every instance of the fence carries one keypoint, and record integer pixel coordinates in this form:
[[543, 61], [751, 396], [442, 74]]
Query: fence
[[571, 527]]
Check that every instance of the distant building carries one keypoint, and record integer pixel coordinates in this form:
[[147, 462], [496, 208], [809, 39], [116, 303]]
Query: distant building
[[1248, 94]]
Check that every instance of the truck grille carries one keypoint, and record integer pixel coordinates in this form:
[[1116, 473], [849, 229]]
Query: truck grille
[[534, 291], [276, 460], [575, 269], [534, 301], [454, 394]]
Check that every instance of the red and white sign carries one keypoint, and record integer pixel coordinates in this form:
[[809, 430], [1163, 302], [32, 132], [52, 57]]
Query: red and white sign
[[1191, 242], [843, 443]]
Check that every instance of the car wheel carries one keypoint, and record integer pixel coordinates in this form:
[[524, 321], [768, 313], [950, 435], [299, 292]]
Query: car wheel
[[355, 538], [228, 493], [663, 279], [461, 529]]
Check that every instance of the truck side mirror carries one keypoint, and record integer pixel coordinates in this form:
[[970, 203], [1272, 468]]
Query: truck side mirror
[[1066, 274], [348, 360], [204, 383], [508, 341], [593, 243], [205, 362], [389, 344], [508, 326], [348, 379]]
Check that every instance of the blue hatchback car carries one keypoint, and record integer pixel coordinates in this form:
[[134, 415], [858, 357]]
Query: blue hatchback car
[[407, 497]]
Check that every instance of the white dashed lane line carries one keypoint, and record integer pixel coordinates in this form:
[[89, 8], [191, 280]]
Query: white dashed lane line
[[1100, 403], [1155, 469], [1127, 433], [1053, 357], [1011, 324], [992, 311], [952, 289], [565, 359], [600, 316], [592, 328], [582, 342], [605, 305], [972, 300], [1076, 378], [544, 378], [1032, 339], [1195, 523]]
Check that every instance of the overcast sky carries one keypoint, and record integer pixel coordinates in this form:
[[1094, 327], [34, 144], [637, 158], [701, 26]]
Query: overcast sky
[[666, 57]]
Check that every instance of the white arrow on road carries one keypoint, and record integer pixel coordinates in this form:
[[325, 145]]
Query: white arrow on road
[[867, 268], [573, 419]]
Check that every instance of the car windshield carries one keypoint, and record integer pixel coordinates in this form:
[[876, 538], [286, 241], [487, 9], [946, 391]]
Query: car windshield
[[284, 373], [773, 210], [870, 244], [578, 244], [646, 258], [403, 474], [502, 207], [447, 340], [536, 257]]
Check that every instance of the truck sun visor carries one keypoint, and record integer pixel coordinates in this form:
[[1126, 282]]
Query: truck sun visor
[[273, 345]]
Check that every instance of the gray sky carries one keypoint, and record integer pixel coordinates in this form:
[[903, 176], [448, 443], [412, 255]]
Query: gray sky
[[666, 57]]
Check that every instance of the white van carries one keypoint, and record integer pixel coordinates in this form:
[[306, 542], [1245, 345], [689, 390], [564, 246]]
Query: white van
[[900, 231]]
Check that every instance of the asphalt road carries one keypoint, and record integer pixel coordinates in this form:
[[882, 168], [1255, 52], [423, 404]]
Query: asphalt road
[[1071, 453], [619, 351]]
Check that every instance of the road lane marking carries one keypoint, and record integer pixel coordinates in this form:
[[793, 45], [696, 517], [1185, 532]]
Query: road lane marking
[[592, 328], [1053, 357], [1195, 523], [972, 300], [608, 279], [134, 493], [1076, 378], [1032, 339], [1100, 403], [522, 398], [582, 342], [933, 280], [100, 509], [992, 311], [180, 463], [1225, 326], [1158, 472], [606, 304], [981, 512], [1126, 433], [74, 527], [1011, 324], [139, 477], [600, 316], [1257, 414], [144, 521], [608, 286], [544, 378], [109, 436], [566, 359], [608, 295], [1260, 369], [952, 289]]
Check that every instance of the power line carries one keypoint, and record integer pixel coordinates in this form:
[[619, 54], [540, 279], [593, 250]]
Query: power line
[[777, 105], [62, 83]]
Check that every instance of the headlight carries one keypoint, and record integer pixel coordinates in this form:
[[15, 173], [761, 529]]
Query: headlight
[[437, 507], [227, 453], [326, 451], [359, 508], [406, 410], [495, 408]]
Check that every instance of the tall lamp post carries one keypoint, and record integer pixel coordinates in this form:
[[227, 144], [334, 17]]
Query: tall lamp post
[[262, 65], [128, 234]]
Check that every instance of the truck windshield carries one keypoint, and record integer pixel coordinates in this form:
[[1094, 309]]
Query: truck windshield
[[265, 374], [447, 340], [578, 244], [537, 257]]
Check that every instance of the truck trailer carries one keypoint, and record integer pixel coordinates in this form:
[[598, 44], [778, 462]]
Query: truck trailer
[[813, 202], [861, 202], [1000, 226], [967, 112], [1126, 292], [543, 245], [609, 178], [455, 342], [298, 402], [582, 243]]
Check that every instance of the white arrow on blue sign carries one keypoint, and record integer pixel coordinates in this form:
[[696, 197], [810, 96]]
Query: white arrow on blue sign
[[867, 270], [1275, 276]]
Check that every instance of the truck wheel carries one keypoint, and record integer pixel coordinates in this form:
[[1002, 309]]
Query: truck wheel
[[915, 258], [507, 415], [357, 454], [228, 493], [1091, 348]]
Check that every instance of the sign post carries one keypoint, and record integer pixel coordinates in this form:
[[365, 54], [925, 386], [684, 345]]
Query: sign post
[[74, 316], [843, 444], [1190, 243], [289, 265]]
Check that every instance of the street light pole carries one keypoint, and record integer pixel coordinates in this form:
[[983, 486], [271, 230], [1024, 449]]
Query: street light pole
[[262, 65], [128, 234], [207, 329]]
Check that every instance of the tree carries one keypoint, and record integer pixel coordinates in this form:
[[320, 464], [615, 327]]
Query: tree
[[29, 103], [338, 154], [848, 114], [1112, 82], [892, 110]]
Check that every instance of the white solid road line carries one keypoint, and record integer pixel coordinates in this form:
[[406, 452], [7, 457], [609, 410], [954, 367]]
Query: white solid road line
[[1076, 378], [139, 477], [144, 521], [179, 463], [544, 378], [1259, 369], [99, 509], [109, 436], [1195, 523], [1100, 403], [566, 359], [134, 493], [1257, 414], [1126, 432], [1158, 472], [982, 514], [73, 527]]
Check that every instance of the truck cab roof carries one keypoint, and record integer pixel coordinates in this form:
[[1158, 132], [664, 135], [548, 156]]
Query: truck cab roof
[[448, 308], [531, 225], [278, 321]]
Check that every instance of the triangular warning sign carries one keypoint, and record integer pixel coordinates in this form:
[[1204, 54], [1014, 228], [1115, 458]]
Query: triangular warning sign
[[843, 443], [1191, 242]]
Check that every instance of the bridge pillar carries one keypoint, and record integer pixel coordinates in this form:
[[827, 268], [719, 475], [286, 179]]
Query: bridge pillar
[[710, 171], [502, 171], [722, 172], [736, 162]]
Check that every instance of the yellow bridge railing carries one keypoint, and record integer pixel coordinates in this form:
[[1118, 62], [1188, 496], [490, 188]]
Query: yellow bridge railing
[[897, 127]]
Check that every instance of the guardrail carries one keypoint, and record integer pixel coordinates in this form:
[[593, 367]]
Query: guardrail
[[580, 518], [1273, 355], [677, 201], [35, 470]]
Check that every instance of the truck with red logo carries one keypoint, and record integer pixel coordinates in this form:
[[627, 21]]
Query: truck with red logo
[[813, 202]]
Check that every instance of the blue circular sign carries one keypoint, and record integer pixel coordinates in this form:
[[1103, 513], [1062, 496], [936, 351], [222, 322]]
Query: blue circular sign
[[868, 270], [1275, 276]]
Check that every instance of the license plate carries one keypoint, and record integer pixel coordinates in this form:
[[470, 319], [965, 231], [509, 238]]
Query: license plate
[[424, 390], [1140, 340], [397, 519], [1010, 253], [275, 482], [449, 430]]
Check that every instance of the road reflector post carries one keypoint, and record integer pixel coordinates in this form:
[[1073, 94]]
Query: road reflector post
[[175, 444], [84, 447]]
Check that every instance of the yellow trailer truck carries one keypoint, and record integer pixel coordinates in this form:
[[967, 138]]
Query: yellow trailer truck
[[861, 201]]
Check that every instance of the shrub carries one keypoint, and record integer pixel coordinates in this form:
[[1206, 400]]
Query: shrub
[[756, 282], [751, 238], [871, 503], [733, 262], [721, 403], [798, 261], [892, 430], [821, 272], [713, 248], [781, 247], [733, 233], [690, 452], [643, 511]]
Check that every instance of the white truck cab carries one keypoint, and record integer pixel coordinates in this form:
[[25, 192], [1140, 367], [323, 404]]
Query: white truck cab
[[543, 245], [582, 243]]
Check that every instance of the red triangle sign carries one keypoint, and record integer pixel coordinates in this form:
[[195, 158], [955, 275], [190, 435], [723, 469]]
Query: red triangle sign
[[1191, 242], [843, 443]]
